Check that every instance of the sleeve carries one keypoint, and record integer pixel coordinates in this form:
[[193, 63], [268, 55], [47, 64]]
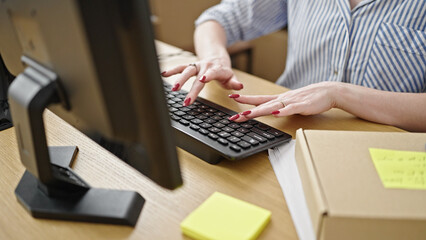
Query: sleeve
[[247, 19]]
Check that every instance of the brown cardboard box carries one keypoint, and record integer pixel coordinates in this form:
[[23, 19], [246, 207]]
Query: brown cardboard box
[[345, 196]]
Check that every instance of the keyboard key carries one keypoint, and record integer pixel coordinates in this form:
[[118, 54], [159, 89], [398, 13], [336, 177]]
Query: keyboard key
[[188, 117], [171, 102], [223, 141], [225, 121], [227, 129], [257, 137], [185, 109], [245, 125], [214, 129], [174, 117], [193, 113], [235, 147], [195, 127], [233, 139], [244, 144], [212, 136], [234, 125], [221, 114], [196, 121], [243, 130], [172, 109], [212, 110], [217, 118], [184, 122], [262, 126], [276, 133], [237, 134], [208, 114], [203, 131], [224, 134], [202, 117], [250, 140], [210, 121], [205, 125], [219, 125], [179, 113], [263, 134]]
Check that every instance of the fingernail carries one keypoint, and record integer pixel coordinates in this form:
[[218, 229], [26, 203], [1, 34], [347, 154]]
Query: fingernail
[[232, 118], [275, 112], [246, 113], [163, 73], [241, 86], [186, 102], [176, 87], [203, 79], [234, 95]]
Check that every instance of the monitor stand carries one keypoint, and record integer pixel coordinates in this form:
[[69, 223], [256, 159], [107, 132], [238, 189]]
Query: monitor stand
[[49, 188]]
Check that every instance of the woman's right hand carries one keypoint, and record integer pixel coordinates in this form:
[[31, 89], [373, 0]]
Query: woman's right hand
[[206, 70]]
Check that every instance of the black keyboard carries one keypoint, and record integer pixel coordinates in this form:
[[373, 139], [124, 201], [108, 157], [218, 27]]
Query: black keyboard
[[204, 130]]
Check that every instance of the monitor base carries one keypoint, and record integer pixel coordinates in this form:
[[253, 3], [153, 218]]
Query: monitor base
[[94, 205]]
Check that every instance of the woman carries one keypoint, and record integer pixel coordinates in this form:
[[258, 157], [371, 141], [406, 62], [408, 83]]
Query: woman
[[365, 57]]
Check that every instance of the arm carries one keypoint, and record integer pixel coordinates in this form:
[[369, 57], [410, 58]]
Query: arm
[[220, 26], [404, 110]]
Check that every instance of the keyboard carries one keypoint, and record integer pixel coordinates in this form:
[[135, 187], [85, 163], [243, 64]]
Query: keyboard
[[203, 129]]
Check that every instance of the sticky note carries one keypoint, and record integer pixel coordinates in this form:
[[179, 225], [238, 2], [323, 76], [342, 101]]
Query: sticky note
[[224, 217], [400, 169]]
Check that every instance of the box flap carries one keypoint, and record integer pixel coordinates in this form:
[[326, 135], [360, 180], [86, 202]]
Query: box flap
[[348, 179], [311, 185]]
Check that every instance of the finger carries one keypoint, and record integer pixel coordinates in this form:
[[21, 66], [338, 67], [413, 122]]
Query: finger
[[233, 83], [261, 110], [291, 109], [224, 76], [173, 71], [196, 88], [253, 99], [183, 77]]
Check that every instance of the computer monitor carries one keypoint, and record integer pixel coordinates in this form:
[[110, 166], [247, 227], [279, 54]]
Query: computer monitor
[[94, 64]]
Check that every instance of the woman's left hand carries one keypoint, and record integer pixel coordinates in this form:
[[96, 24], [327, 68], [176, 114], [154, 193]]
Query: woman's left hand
[[309, 100]]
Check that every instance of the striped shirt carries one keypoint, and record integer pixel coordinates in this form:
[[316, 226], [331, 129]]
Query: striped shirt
[[379, 44]]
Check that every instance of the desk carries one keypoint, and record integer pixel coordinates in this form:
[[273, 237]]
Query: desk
[[252, 179]]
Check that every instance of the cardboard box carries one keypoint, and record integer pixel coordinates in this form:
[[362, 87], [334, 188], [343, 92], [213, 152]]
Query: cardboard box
[[345, 196]]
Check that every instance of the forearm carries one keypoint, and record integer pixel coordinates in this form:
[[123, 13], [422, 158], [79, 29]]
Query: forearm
[[210, 42], [404, 110]]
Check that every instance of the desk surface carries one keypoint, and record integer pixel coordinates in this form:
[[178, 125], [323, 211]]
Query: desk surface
[[251, 179]]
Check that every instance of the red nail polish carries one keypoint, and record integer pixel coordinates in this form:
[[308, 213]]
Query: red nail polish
[[163, 73], [186, 102], [246, 113], [176, 87], [203, 79], [234, 95], [241, 86], [275, 112], [232, 118]]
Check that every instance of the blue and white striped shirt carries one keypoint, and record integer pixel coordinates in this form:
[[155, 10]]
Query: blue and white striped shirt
[[379, 44]]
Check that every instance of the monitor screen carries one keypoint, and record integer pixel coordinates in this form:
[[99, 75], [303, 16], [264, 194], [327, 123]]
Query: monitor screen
[[99, 62]]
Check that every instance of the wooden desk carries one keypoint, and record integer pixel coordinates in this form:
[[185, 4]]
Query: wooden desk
[[251, 179]]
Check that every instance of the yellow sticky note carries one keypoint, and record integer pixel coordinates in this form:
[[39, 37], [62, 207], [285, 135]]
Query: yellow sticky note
[[400, 169], [224, 217]]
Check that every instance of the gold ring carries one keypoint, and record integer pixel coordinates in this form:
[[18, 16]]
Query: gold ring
[[282, 102]]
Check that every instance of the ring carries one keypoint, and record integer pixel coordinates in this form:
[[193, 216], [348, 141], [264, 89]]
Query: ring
[[282, 102], [193, 65]]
